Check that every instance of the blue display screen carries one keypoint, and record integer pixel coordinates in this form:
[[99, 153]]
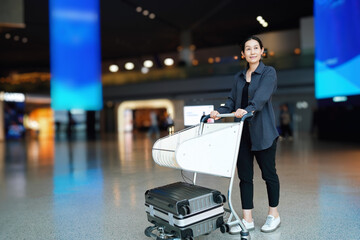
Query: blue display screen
[[337, 48], [75, 55]]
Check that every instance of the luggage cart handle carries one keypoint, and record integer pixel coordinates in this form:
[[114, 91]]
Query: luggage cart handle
[[226, 115]]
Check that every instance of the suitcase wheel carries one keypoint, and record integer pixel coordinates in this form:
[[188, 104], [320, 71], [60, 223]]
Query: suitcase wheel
[[184, 210], [219, 198]]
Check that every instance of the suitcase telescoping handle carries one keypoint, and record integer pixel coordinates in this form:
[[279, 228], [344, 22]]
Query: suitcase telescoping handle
[[226, 115]]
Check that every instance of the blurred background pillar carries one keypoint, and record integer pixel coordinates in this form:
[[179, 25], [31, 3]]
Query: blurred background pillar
[[186, 50], [75, 58], [2, 126]]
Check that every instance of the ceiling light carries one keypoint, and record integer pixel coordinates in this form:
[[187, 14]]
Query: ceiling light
[[16, 38], [114, 68], [169, 62], [259, 18], [144, 70], [129, 66], [24, 40], [262, 21], [210, 60], [145, 12], [148, 64], [7, 35], [152, 16], [139, 9]]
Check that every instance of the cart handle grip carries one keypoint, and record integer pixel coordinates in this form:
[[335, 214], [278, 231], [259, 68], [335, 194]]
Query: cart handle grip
[[226, 115]]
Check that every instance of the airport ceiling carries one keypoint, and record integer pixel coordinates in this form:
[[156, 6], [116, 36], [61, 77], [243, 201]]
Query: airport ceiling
[[126, 33]]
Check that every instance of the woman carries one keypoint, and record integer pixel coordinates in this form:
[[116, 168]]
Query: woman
[[252, 92]]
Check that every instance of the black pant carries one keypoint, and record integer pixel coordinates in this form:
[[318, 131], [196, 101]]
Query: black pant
[[245, 166]]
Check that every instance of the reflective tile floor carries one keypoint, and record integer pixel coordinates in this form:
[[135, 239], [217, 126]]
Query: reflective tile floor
[[58, 189]]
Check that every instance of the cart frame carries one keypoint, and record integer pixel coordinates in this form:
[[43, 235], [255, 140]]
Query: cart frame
[[234, 218]]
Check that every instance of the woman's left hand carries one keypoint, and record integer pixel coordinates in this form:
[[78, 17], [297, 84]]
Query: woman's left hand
[[240, 113]]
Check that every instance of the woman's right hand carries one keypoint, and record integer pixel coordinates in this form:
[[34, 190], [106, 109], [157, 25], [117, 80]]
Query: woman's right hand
[[214, 114]]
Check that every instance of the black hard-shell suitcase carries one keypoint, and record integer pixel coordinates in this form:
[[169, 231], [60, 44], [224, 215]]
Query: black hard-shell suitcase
[[185, 210]]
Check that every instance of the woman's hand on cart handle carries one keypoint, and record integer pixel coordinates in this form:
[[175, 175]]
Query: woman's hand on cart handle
[[247, 115], [214, 114], [240, 113]]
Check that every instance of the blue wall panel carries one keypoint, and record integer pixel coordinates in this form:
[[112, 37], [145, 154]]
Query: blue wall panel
[[337, 40], [75, 54]]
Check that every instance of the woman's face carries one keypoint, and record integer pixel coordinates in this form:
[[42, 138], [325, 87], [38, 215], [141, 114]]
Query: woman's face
[[252, 51]]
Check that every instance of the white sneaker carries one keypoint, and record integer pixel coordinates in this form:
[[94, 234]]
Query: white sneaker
[[237, 229], [271, 224], [249, 225]]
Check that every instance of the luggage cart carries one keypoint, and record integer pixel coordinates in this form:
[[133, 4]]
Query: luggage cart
[[202, 149]]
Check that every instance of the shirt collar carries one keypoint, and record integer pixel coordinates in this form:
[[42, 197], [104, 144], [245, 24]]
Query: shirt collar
[[258, 70]]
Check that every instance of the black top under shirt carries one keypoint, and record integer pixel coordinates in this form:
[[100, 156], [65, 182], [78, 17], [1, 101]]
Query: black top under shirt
[[245, 96], [244, 104]]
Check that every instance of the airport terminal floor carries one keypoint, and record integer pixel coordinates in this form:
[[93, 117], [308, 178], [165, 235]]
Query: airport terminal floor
[[81, 189]]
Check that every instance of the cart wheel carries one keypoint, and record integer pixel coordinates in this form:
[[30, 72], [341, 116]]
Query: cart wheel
[[245, 236], [148, 231], [224, 228]]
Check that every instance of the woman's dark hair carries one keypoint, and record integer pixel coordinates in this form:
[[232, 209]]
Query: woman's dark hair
[[250, 38]]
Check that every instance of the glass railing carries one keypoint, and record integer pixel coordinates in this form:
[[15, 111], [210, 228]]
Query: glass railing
[[40, 82]]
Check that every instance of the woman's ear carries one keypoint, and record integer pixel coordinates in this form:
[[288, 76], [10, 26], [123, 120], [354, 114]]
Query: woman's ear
[[262, 51], [242, 54]]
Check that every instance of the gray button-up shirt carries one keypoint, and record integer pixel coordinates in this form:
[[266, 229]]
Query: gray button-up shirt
[[263, 84]]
